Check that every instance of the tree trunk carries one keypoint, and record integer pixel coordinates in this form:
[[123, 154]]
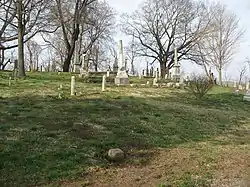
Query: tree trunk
[[67, 61], [2, 60], [66, 64], [220, 76], [132, 67], [21, 69], [164, 69]]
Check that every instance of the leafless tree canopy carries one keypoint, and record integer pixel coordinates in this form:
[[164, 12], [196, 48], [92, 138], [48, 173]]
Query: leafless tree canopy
[[84, 26], [159, 26], [217, 47], [35, 20]]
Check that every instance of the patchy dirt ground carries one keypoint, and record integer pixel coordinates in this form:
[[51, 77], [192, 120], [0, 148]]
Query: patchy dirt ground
[[202, 165]]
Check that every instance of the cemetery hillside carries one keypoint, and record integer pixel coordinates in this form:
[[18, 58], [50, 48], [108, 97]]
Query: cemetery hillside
[[124, 93], [50, 138]]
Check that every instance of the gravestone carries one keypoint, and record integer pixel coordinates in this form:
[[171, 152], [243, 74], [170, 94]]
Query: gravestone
[[84, 70], [60, 91], [170, 76], [122, 76], [115, 65], [155, 82], [247, 96], [10, 81], [157, 73], [247, 85], [143, 72], [103, 82], [147, 71], [108, 73], [181, 80], [235, 84], [151, 72], [15, 71], [154, 74], [73, 83], [240, 87], [176, 67]]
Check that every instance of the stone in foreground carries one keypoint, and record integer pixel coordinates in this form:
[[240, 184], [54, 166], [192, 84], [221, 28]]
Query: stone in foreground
[[116, 155]]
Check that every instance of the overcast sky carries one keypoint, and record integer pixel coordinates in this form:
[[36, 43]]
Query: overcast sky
[[240, 7]]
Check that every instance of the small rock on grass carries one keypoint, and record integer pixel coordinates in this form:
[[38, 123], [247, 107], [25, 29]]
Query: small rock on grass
[[116, 155]]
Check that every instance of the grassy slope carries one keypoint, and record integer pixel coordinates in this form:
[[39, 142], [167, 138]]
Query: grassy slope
[[43, 138]]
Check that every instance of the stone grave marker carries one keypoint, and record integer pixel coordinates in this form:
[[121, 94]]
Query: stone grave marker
[[10, 81], [103, 82], [73, 84], [247, 85], [122, 76], [247, 96], [240, 87]]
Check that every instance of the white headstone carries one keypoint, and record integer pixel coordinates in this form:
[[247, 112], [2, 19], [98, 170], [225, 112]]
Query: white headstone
[[240, 87], [103, 82], [60, 91], [108, 73], [73, 83], [166, 76], [122, 77], [10, 81], [235, 84], [247, 96], [181, 80], [155, 82], [156, 75], [121, 60], [176, 67], [247, 85]]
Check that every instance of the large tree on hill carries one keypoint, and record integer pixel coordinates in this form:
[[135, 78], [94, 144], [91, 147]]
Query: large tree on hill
[[217, 48], [21, 20], [161, 25], [82, 30], [222, 43], [70, 22]]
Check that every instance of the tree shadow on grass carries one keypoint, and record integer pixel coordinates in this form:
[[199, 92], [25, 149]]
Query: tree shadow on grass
[[46, 139]]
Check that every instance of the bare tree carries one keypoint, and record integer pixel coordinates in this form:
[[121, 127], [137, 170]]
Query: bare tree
[[242, 73], [21, 30], [220, 44], [33, 53], [82, 30], [161, 25], [70, 23], [131, 54], [96, 34], [22, 20]]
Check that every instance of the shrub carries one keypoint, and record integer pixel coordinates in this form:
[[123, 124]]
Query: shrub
[[199, 85]]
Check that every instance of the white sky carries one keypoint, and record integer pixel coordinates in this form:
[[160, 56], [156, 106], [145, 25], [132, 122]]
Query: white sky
[[240, 7]]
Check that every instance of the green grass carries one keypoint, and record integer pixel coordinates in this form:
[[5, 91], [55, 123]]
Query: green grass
[[45, 139]]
